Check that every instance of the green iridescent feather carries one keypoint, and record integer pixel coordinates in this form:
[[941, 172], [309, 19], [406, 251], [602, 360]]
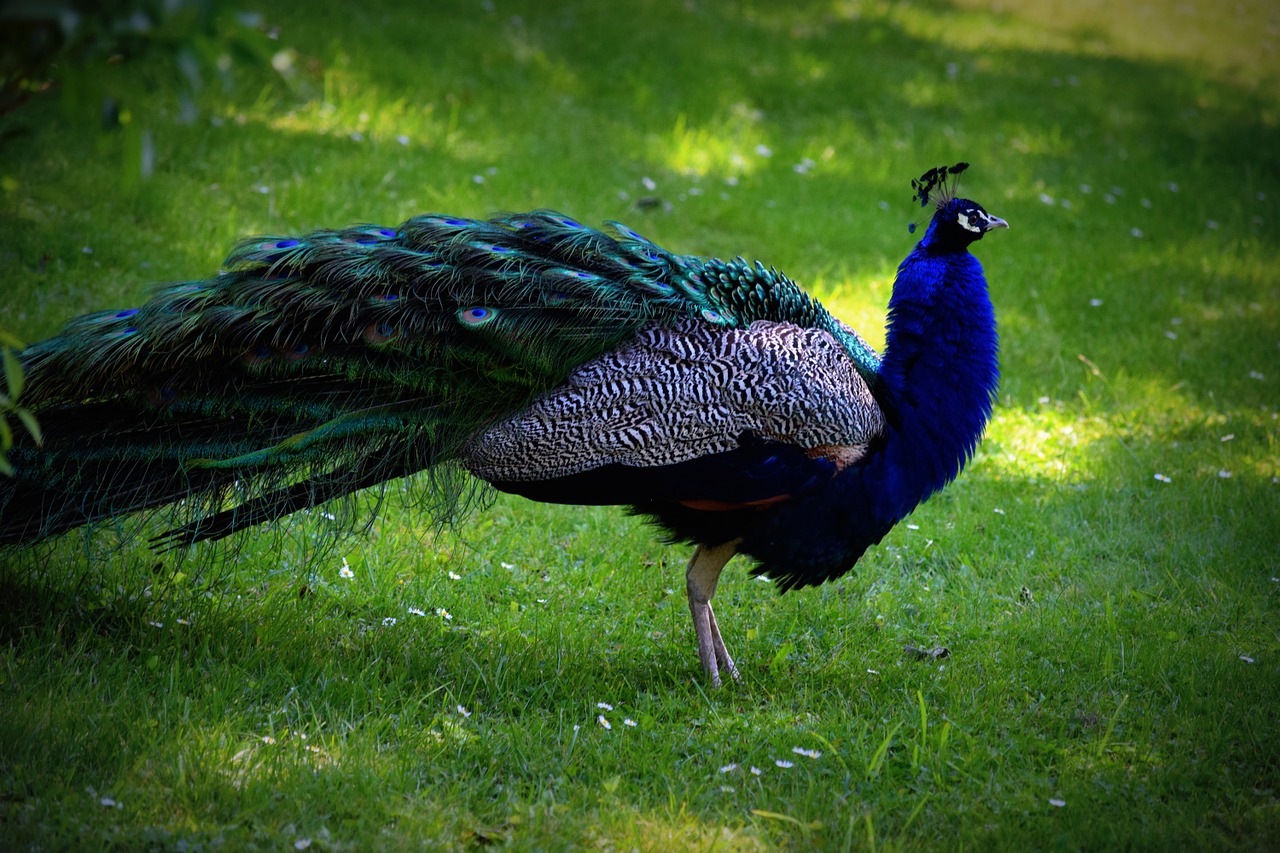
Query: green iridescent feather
[[316, 366]]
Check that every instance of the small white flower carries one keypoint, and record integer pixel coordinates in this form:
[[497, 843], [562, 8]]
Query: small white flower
[[1173, 188], [998, 511], [1164, 478], [1224, 474], [414, 611], [1045, 198], [807, 753], [604, 724], [726, 789], [913, 527], [1253, 374], [1212, 225], [155, 624], [764, 150], [728, 768], [402, 139], [1095, 303], [1146, 202], [444, 614], [454, 576], [345, 571], [1171, 334], [477, 179], [604, 706], [629, 722], [182, 621], [783, 763], [756, 771], [508, 566], [1057, 803], [389, 621], [302, 844], [1228, 437], [731, 181], [1086, 189], [649, 183], [268, 740], [1136, 232], [463, 711], [1246, 658]]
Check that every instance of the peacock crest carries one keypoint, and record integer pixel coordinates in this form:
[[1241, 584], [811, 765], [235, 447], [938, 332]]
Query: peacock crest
[[936, 187]]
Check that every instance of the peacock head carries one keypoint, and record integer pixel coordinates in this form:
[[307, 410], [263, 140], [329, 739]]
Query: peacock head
[[957, 222]]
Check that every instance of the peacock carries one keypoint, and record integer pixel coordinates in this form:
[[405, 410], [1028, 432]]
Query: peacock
[[552, 360]]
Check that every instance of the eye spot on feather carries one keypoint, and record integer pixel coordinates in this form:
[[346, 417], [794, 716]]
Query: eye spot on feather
[[129, 312], [716, 317], [297, 353], [286, 244], [161, 396], [379, 333], [387, 232], [257, 356], [476, 316]]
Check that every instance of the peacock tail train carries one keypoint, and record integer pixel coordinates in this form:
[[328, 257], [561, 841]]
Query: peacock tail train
[[313, 367]]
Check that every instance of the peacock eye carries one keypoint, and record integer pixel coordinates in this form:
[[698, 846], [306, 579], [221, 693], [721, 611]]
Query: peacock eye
[[476, 316]]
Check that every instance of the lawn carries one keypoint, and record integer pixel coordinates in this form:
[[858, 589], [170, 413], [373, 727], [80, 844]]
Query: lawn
[[1105, 576]]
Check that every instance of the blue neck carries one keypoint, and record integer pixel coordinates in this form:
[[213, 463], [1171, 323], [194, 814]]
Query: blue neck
[[938, 375]]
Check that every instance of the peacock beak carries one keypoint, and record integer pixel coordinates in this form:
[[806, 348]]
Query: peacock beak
[[994, 222]]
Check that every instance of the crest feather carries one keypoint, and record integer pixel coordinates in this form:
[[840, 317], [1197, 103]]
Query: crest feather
[[938, 185]]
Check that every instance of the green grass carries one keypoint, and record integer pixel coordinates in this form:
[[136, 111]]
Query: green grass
[[1114, 639]]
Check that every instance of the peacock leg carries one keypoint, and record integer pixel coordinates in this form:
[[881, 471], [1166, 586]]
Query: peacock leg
[[700, 580]]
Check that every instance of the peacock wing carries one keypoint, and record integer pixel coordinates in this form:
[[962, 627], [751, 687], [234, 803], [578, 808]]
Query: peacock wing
[[677, 394]]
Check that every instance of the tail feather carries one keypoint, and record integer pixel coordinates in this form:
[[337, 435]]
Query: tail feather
[[316, 366]]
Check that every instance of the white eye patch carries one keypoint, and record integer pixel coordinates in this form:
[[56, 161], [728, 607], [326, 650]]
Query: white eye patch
[[966, 224]]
